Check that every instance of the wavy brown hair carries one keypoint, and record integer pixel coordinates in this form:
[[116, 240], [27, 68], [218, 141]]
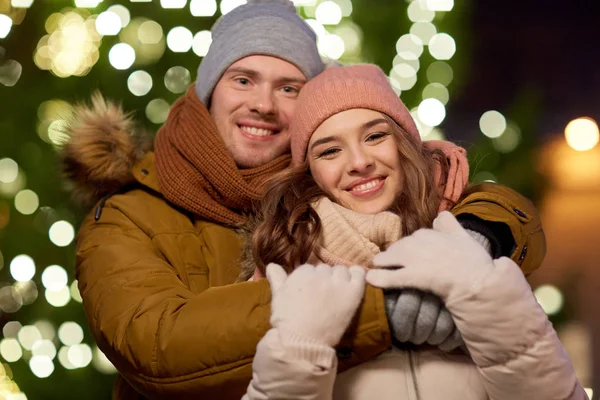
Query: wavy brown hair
[[285, 228]]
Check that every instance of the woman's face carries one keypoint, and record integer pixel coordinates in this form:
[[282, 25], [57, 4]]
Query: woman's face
[[353, 157]]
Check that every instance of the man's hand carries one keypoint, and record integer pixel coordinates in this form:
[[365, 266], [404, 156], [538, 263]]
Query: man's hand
[[419, 317]]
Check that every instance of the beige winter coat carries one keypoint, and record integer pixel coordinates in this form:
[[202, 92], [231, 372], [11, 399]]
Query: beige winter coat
[[515, 353]]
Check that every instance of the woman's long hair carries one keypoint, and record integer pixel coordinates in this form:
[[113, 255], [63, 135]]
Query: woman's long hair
[[285, 227]]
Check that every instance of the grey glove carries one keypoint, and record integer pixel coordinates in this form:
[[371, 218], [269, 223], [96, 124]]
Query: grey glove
[[419, 317]]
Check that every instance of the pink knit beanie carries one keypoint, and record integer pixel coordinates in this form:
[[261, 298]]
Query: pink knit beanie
[[339, 89]]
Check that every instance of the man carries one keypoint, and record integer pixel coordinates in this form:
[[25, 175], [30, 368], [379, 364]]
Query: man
[[157, 258]]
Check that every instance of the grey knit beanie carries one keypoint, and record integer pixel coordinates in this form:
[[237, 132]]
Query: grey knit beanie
[[260, 27]]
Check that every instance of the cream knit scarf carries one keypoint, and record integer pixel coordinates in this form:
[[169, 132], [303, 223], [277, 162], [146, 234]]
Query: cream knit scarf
[[352, 238]]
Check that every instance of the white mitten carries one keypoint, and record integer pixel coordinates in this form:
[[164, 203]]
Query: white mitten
[[444, 260], [315, 302]]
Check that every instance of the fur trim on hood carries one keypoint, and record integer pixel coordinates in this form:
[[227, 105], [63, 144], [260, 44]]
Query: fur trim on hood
[[102, 146]]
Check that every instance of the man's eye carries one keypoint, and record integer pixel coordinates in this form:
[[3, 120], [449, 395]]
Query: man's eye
[[243, 81], [290, 89]]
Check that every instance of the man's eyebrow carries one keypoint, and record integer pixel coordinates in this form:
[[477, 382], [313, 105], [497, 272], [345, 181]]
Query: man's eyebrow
[[240, 70], [253, 73], [326, 139], [296, 80]]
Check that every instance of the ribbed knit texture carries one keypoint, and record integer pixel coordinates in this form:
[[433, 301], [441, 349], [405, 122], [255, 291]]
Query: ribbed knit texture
[[352, 238], [366, 86], [264, 27], [196, 172], [340, 89]]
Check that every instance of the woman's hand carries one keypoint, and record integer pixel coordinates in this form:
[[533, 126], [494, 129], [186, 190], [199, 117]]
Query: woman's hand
[[444, 260], [315, 302]]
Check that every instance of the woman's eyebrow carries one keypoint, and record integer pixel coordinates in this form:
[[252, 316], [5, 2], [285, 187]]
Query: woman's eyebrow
[[326, 139], [372, 123]]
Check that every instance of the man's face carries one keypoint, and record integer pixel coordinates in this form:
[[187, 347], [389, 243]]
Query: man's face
[[252, 106]]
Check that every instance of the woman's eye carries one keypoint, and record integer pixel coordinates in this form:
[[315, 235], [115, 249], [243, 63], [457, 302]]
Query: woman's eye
[[376, 136], [328, 153]]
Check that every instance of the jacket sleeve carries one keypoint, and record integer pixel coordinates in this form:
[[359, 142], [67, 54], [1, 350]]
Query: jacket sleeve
[[504, 210], [511, 340], [166, 340], [287, 366]]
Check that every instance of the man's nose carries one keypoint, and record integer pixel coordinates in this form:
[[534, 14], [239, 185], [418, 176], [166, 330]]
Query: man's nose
[[263, 101]]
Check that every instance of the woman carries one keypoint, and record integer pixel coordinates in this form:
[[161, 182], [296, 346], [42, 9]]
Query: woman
[[361, 180]]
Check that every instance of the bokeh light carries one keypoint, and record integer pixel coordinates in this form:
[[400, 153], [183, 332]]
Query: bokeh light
[[150, 32], [550, 298], [425, 31], [21, 3], [87, 3], [121, 56], [331, 46], [122, 12], [439, 5], [10, 301], [409, 47], [180, 39], [431, 112], [147, 40], [157, 111], [328, 13], [108, 23], [41, 366], [440, 72], [44, 347], [10, 349], [26, 202], [74, 289], [11, 329], [492, 124], [173, 3], [5, 25], [582, 134], [70, 333], [22, 268], [71, 47], [509, 140], [139, 83], [228, 5], [201, 43], [177, 79], [9, 170], [418, 13], [61, 233], [80, 355], [28, 335], [54, 277], [442, 46], [63, 358], [436, 91], [58, 298], [102, 363], [10, 72], [27, 291], [203, 8], [46, 329]]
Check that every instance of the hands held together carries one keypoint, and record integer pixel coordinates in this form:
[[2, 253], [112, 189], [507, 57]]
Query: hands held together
[[418, 272]]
